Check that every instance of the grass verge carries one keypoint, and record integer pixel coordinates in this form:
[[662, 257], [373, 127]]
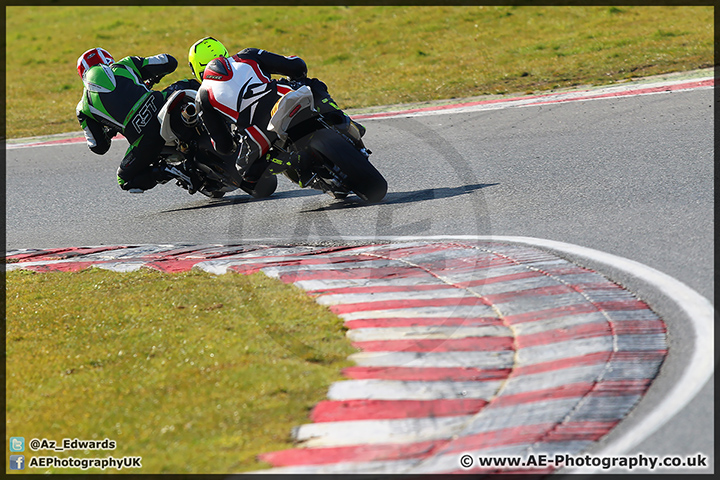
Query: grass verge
[[368, 55], [196, 373]]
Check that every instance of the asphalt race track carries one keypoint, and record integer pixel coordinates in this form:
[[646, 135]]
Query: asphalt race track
[[631, 176]]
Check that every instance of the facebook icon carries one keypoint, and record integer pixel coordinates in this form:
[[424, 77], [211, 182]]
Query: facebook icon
[[17, 462]]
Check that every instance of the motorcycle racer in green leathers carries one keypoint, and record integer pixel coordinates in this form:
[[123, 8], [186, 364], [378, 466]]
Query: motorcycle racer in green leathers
[[117, 98]]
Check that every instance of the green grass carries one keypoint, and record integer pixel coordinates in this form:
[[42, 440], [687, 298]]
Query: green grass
[[368, 55], [194, 372]]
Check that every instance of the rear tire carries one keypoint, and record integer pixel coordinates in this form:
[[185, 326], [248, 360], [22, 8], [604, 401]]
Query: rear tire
[[362, 176]]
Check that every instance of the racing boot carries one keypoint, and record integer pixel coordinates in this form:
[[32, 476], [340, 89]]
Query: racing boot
[[330, 110], [143, 181], [295, 165], [186, 177], [327, 106], [282, 161]]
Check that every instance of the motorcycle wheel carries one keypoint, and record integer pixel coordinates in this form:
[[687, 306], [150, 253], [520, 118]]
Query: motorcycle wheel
[[362, 177], [263, 188]]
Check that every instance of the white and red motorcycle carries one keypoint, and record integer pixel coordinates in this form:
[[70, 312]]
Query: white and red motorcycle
[[335, 159]]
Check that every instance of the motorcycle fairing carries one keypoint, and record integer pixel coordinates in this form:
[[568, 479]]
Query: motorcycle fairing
[[163, 115]]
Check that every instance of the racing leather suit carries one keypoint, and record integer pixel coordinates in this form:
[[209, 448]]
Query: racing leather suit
[[116, 99], [239, 91]]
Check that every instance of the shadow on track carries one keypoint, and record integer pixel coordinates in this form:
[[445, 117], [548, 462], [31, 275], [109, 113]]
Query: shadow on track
[[392, 198], [242, 199], [397, 198]]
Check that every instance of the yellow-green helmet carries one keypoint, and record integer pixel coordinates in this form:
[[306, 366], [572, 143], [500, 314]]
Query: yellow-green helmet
[[202, 52]]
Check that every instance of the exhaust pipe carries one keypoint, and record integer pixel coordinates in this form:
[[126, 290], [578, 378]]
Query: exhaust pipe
[[189, 115]]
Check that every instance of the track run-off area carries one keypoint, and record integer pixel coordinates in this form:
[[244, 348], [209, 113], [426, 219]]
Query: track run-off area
[[491, 318]]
